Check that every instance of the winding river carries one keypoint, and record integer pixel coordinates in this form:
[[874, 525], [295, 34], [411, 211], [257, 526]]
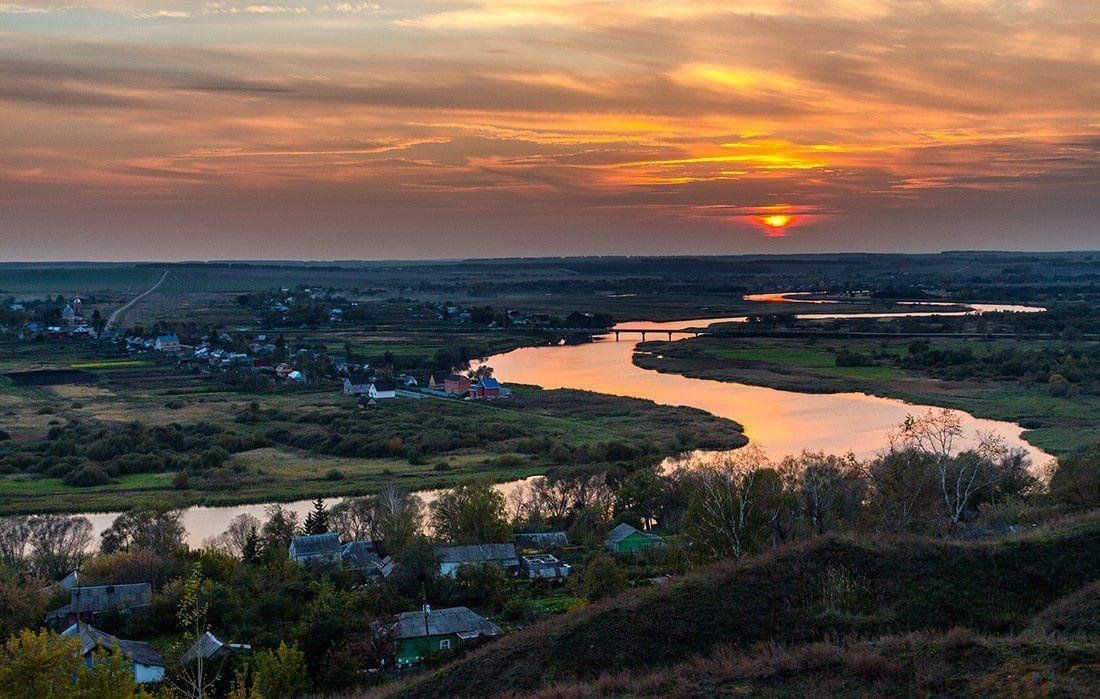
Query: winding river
[[782, 422]]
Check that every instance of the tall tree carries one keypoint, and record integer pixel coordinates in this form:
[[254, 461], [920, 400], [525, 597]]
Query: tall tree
[[60, 543], [317, 519], [473, 512], [144, 530]]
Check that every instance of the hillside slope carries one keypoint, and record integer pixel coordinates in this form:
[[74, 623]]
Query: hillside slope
[[826, 588]]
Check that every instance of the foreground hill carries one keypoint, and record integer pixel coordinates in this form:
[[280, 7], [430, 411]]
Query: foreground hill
[[825, 589]]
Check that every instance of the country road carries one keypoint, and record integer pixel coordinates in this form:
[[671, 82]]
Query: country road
[[122, 309]]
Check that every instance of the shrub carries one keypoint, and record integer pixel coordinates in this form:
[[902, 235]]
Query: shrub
[[86, 477], [334, 475]]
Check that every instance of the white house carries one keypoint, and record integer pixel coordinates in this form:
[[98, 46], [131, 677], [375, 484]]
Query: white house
[[148, 664], [167, 343], [381, 388], [357, 384]]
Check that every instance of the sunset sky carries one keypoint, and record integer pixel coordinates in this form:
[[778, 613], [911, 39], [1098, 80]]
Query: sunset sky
[[477, 128]]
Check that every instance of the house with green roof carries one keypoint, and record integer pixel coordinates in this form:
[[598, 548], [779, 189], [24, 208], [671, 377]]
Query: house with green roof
[[625, 539]]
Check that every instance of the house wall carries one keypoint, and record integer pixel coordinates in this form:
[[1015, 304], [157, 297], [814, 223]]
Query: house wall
[[635, 543], [412, 650], [145, 674]]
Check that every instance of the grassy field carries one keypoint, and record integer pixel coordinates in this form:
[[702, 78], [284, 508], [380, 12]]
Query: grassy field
[[316, 443], [1055, 424]]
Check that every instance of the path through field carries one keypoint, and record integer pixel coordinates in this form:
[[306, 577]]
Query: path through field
[[122, 309]]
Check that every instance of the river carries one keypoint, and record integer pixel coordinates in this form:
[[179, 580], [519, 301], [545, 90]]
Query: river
[[782, 422]]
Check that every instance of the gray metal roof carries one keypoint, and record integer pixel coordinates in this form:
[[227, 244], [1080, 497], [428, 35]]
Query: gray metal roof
[[480, 553], [444, 622], [315, 545], [536, 539], [209, 646], [101, 598], [92, 638]]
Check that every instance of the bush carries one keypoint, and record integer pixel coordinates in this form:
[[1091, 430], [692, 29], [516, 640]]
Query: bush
[[602, 578], [86, 477], [334, 475]]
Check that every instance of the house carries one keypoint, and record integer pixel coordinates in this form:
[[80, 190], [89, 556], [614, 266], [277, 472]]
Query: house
[[486, 388], [86, 603], [365, 402], [296, 377], [209, 647], [357, 384], [283, 370], [626, 539], [311, 547], [407, 381], [542, 540], [417, 634], [438, 380], [543, 566], [167, 343], [364, 556], [382, 388], [147, 663], [457, 385], [503, 555]]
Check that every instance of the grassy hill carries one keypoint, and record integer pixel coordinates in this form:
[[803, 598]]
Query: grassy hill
[[797, 598]]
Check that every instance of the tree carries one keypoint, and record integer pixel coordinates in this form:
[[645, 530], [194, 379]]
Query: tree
[[962, 476], [1076, 480], [43, 664], [601, 578], [735, 499], [235, 537], [317, 519], [15, 533], [901, 490], [250, 552], [473, 512], [60, 543], [826, 489], [159, 532], [98, 322], [280, 673], [280, 527], [194, 679]]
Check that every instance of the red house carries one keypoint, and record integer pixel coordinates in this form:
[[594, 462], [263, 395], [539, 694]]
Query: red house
[[486, 388], [457, 385]]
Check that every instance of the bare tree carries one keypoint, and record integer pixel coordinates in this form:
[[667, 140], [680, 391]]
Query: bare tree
[[961, 476], [234, 539], [159, 532], [60, 543], [356, 518], [734, 501], [15, 534], [399, 517], [822, 488]]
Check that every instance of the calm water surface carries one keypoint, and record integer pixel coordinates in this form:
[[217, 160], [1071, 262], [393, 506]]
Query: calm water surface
[[782, 422]]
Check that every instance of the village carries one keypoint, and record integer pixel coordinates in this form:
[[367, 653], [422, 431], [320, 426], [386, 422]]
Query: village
[[491, 577]]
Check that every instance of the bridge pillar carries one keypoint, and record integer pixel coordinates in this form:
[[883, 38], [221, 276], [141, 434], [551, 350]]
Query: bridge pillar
[[616, 336], [643, 336], [670, 336]]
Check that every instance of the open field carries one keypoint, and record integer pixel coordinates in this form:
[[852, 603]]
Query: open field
[[302, 443]]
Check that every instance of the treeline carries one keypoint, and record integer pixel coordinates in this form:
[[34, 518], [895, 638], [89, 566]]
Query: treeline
[[1068, 369]]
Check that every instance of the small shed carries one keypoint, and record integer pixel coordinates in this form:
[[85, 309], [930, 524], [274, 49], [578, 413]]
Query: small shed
[[544, 566], [209, 647], [627, 539]]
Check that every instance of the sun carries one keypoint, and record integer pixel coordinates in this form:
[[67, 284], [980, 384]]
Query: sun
[[776, 220]]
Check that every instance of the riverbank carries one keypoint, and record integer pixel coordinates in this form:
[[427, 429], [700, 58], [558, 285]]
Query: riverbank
[[282, 450], [1055, 424]]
